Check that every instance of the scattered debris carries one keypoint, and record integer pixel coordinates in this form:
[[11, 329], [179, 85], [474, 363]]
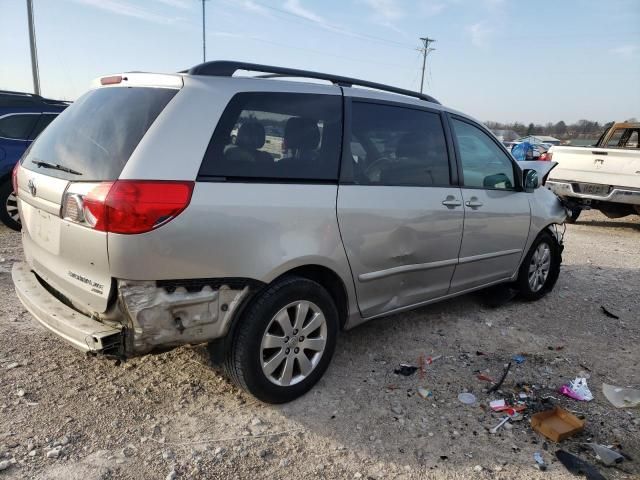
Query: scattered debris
[[424, 393], [502, 379], [495, 429], [467, 398], [406, 370], [609, 313], [12, 365], [485, 378], [606, 455], [518, 359], [54, 452], [577, 389], [540, 465], [556, 424], [621, 397], [4, 464], [577, 466], [498, 405]]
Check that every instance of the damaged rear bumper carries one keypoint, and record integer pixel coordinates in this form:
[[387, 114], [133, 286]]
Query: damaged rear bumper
[[81, 331], [148, 315]]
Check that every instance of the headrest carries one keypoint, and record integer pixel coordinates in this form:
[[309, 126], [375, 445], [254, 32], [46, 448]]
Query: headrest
[[301, 134], [251, 135]]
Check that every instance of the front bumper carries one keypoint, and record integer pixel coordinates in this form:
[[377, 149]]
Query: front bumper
[[615, 195], [83, 332]]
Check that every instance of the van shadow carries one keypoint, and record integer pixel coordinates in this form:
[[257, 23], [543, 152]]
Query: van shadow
[[362, 405]]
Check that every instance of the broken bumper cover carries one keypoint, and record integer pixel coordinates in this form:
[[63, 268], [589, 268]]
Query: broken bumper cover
[[83, 332], [615, 195]]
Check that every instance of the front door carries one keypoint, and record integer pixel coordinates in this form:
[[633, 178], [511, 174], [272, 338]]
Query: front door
[[400, 216], [497, 214]]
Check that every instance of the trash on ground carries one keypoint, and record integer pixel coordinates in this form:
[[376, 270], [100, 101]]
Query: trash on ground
[[609, 313], [499, 425], [424, 393], [621, 397], [556, 424], [606, 455], [485, 378], [577, 389], [518, 359], [540, 465], [467, 398], [406, 369], [501, 381], [498, 405], [577, 466]]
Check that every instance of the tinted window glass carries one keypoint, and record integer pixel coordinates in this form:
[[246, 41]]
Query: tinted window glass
[[277, 136], [397, 146], [97, 134], [45, 120], [615, 138], [17, 126], [484, 164]]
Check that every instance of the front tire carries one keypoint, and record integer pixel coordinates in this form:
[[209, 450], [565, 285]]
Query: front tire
[[9, 207], [540, 268], [284, 341]]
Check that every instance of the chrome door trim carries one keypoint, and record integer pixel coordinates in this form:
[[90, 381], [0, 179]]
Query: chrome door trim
[[365, 277], [486, 256]]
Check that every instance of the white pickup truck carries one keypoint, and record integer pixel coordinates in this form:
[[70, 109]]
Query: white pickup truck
[[604, 177]]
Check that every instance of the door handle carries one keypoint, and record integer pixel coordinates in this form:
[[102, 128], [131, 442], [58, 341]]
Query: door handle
[[451, 202], [474, 203]]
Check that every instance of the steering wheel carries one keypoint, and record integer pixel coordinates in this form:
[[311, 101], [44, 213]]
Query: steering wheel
[[371, 173]]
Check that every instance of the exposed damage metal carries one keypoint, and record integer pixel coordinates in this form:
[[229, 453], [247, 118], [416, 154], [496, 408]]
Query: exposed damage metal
[[164, 316]]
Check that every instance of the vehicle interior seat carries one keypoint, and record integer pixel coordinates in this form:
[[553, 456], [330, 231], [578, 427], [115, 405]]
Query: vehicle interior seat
[[251, 137], [301, 140]]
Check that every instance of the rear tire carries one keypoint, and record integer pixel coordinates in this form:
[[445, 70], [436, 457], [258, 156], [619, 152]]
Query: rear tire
[[540, 268], [284, 340], [9, 207], [573, 217]]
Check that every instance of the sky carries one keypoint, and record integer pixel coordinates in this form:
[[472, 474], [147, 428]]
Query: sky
[[503, 60]]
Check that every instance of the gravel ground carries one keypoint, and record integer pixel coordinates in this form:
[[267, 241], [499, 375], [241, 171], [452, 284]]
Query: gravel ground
[[64, 416]]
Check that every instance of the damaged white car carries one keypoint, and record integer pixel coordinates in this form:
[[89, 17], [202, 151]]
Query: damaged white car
[[157, 213]]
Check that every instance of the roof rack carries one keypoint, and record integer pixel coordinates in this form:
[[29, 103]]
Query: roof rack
[[225, 68]]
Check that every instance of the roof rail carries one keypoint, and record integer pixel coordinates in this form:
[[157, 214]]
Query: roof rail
[[225, 68]]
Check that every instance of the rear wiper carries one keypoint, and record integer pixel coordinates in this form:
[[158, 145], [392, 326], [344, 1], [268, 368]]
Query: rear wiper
[[56, 166]]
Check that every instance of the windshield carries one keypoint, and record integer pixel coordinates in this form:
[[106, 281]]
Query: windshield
[[93, 138]]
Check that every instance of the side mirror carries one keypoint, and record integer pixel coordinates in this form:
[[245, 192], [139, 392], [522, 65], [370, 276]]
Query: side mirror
[[530, 180]]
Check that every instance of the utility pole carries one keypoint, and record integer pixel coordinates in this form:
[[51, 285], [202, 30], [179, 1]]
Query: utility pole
[[34, 53], [204, 39], [425, 51]]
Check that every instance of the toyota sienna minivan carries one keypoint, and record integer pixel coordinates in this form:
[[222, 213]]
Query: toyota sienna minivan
[[263, 215]]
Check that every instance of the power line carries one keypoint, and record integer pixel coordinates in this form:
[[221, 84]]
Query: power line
[[425, 51], [204, 38]]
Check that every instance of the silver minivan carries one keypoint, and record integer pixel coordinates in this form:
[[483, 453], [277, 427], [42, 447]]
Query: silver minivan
[[264, 215]]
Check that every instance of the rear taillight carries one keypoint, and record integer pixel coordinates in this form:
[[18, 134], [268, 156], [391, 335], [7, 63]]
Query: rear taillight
[[127, 206], [14, 177]]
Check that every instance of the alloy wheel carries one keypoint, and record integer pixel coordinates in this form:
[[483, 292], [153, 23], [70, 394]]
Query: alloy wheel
[[539, 266], [11, 205], [293, 343]]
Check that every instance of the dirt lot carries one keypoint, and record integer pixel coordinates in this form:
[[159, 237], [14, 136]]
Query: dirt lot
[[171, 416]]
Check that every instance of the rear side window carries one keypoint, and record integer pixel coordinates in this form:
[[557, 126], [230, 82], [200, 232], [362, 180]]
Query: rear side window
[[397, 146], [97, 134], [45, 120], [289, 136], [484, 164], [18, 126]]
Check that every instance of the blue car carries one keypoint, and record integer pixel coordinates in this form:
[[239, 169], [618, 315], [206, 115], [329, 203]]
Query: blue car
[[22, 117]]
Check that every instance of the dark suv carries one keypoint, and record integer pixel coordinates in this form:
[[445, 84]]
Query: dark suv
[[22, 117]]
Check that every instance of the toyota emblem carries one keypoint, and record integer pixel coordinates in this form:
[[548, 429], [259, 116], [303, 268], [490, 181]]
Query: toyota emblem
[[32, 187]]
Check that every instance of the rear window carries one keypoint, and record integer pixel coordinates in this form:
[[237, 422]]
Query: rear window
[[97, 134], [276, 136]]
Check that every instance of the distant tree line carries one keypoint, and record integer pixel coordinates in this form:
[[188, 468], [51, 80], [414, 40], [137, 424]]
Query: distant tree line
[[561, 130]]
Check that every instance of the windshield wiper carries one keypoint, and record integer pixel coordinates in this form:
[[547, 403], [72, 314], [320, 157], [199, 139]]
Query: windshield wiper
[[56, 166]]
